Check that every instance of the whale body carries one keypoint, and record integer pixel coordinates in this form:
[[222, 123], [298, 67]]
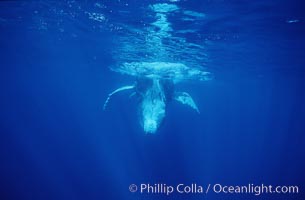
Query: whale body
[[155, 86]]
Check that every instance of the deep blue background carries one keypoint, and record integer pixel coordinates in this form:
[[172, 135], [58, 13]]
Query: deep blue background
[[56, 142]]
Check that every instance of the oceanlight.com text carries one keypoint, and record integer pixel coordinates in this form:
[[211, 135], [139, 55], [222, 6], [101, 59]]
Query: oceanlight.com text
[[195, 188]]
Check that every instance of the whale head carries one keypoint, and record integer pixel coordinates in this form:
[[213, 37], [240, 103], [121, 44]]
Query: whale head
[[153, 107]]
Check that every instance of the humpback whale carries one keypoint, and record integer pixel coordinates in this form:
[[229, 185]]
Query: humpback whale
[[155, 86], [161, 68]]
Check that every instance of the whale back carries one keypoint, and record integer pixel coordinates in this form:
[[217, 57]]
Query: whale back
[[175, 72]]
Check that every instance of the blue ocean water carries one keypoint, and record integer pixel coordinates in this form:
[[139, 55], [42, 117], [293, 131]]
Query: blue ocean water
[[57, 142]]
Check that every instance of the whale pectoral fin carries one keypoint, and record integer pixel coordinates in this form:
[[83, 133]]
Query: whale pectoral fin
[[185, 98], [127, 87]]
